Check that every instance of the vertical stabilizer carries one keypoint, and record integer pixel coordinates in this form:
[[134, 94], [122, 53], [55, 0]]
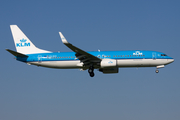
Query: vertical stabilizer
[[22, 42]]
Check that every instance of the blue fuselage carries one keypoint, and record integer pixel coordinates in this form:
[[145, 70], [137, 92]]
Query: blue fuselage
[[121, 55]]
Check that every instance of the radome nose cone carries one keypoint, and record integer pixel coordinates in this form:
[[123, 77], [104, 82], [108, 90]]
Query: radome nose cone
[[171, 60]]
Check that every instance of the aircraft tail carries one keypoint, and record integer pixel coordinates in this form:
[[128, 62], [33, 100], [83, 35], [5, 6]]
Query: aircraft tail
[[22, 43]]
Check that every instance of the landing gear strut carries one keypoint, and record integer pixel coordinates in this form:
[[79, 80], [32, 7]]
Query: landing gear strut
[[91, 71], [157, 67]]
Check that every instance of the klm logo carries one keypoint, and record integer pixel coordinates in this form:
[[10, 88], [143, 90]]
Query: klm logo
[[23, 43], [137, 53], [110, 62]]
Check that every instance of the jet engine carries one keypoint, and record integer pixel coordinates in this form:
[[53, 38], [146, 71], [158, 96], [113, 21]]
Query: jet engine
[[109, 70], [108, 66], [106, 63]]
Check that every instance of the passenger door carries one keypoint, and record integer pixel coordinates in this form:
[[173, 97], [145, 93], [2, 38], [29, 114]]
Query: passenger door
[[39, 58], [153, 55]]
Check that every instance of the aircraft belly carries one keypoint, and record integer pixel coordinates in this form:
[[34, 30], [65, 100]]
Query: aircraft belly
[[141, 62], [58, 64]]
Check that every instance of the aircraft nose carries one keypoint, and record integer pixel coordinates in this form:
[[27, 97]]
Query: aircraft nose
[[170, 60]]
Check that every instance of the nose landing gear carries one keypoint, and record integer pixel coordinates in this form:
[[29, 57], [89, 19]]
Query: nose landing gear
[[91, 71], [157, 71], [157, 67]]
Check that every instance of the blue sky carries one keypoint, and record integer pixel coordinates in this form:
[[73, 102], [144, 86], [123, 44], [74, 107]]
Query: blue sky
[[30, 92]]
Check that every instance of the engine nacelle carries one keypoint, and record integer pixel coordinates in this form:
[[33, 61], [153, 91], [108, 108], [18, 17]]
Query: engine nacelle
[[106, 63], [109, 70]]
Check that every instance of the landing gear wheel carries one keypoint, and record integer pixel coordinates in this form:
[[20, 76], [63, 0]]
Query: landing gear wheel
[[90, 70], [91, 74], [157, 71]]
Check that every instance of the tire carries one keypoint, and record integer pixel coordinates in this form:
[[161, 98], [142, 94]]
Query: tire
[[92, 74], [90, 70]]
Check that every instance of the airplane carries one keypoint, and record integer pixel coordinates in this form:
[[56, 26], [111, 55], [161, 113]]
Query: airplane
[[106, 62]]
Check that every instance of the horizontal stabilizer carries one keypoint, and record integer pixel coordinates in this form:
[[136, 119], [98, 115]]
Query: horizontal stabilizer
[[17, 54]]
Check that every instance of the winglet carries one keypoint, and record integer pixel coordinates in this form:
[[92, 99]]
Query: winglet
[[63, 38]]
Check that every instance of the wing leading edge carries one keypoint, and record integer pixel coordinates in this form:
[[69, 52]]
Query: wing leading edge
[[85, 57]]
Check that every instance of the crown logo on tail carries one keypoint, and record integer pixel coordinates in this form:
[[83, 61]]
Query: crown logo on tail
[[23, 43], [23, 40]]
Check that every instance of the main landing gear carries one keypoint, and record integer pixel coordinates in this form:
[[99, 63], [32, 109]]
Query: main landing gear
[[91, 71]]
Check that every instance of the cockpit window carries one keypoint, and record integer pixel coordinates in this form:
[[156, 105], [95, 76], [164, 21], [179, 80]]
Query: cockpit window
[[163, 55]]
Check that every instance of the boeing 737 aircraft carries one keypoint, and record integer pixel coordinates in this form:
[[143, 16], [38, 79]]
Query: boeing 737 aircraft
[[104, 61]]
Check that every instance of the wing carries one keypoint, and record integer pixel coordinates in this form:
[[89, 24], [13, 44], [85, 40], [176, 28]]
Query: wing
[[85, 57]]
